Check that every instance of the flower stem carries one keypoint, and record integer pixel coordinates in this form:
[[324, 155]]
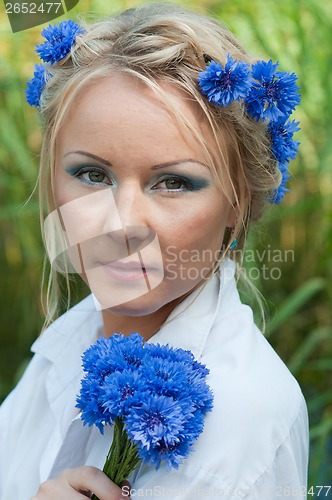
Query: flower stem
[[122, 458]]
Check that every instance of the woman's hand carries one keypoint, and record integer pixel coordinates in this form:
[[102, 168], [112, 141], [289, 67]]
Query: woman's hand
[[80, 483]]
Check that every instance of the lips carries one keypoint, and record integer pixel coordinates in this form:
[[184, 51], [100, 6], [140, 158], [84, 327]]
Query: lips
[[129, 266], [128, 271]]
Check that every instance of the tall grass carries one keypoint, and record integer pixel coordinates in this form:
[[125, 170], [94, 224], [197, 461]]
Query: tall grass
[[299, 297]]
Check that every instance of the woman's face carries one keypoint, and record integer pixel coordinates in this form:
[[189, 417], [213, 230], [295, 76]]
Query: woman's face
[[143, 217]]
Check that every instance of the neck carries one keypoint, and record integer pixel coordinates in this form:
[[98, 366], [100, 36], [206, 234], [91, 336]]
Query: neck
[[146, 325]]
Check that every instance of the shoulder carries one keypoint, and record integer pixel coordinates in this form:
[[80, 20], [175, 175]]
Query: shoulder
[[74, 330], [57, 358], [256, 436], [258, 404], [71, 320], [246, 369], [48, 386]]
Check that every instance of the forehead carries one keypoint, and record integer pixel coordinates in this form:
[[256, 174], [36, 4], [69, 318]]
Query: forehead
[[122, 106], [124, 92]]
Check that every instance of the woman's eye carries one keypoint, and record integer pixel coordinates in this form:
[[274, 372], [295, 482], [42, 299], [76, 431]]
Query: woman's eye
[[93, 177], [172, 184]]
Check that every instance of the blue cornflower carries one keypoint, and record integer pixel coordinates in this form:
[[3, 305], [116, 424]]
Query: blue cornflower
[[280, 192], [120, 391], [170, 353], [274, 95], [197, 391], [60, 39], [173, 455], [106, 359], [90, 402], [194, 426], [112, 354], [158, 417], [156, 397], [96, 359], [200, 369], [177, 354], [36, 85], [223, 85], [159, 420], [178, 379], [283, 145], [163, 376]]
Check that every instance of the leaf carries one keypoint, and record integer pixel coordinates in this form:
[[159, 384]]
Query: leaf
[[307, 347], [322, 429], [294, 302], [320, 401]]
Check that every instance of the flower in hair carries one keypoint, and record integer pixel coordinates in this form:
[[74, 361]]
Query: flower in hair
[[36, 85], [59, 40], [223, 85], [279, 193], [269, 95], [284, 147], [274, 94]]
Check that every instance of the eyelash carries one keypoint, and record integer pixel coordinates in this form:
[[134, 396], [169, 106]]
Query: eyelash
[[187, 185], [88, 170]]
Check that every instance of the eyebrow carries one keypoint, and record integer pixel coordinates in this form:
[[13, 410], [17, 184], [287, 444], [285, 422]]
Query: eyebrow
[[90, 155], [154, 167], [177, 162]]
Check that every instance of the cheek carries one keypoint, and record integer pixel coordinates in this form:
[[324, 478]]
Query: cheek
[[205, 220], [62, 192], [198, 229]]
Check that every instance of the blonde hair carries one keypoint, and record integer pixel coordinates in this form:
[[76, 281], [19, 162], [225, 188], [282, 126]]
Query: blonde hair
[[163, 43]]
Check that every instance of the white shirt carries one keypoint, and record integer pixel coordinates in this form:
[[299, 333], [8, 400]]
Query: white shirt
[[255, 440]]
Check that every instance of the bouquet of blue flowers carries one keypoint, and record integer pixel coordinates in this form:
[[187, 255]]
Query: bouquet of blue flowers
[[155, 396]]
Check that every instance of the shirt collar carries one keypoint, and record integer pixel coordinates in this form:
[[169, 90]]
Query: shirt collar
[[190, 322], [187, 327], [78, 326], [65, 340]]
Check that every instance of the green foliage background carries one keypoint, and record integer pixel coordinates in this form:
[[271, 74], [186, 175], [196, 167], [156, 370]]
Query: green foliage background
[[298, 34]]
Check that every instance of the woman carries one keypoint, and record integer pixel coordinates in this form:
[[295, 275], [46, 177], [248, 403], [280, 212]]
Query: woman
[[160, 148]]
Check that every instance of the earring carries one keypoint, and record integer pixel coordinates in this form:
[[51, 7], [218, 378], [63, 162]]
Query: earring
[[233, 245]]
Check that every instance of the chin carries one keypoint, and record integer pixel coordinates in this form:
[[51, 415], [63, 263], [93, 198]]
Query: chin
[[133, 308], [143, 304]]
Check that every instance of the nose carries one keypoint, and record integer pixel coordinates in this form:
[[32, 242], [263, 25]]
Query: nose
[[133, 210]]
